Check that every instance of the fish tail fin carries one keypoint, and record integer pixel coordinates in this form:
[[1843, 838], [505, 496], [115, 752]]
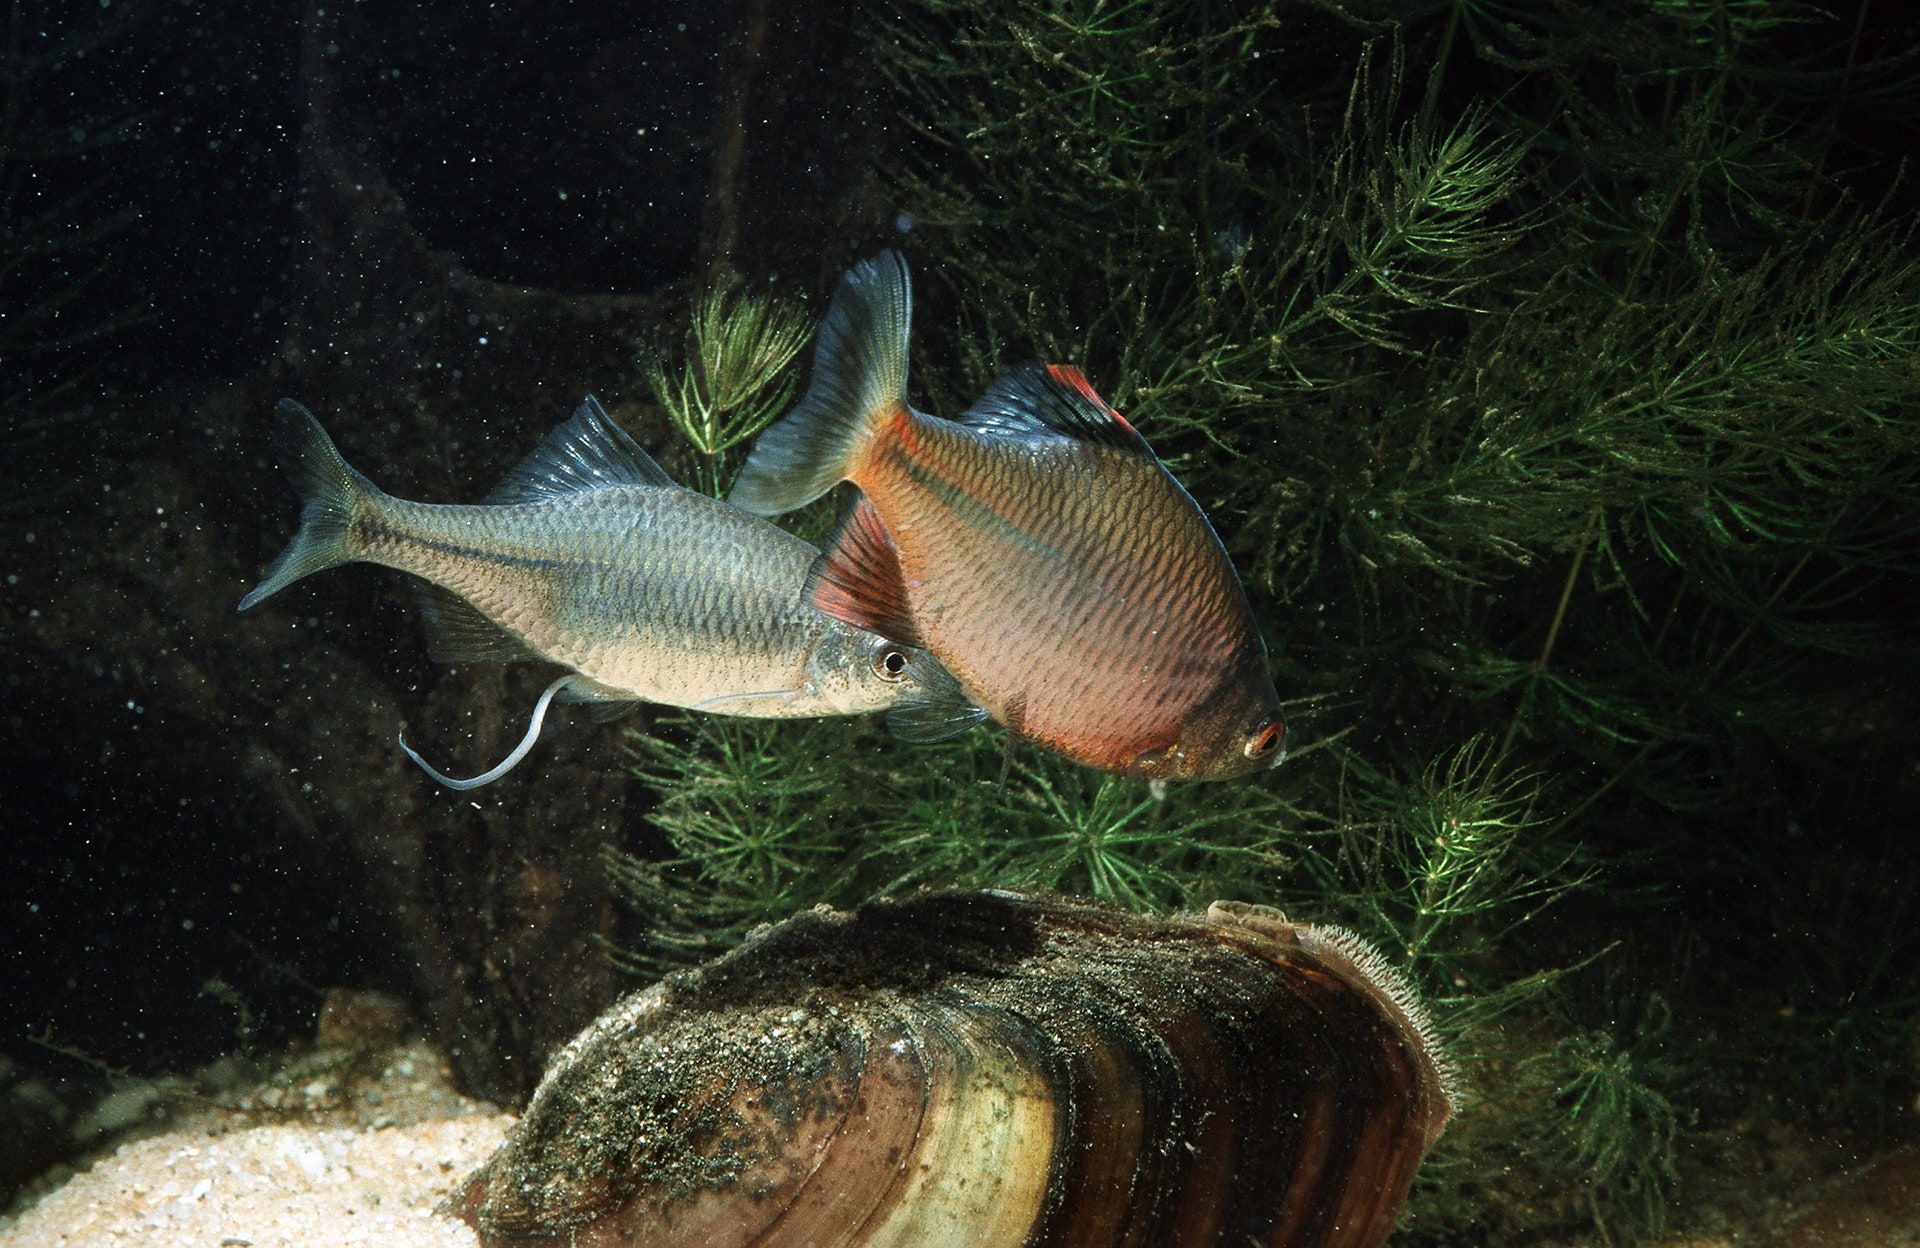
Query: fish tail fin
[[331, 494], [859, 374]]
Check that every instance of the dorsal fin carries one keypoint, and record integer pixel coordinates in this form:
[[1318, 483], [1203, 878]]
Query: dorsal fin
[[1051, 400], [588, 452], [857, 577], [459, 632]]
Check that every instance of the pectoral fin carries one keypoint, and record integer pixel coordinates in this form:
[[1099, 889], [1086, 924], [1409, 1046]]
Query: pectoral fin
[[720, 705], [938, 710]]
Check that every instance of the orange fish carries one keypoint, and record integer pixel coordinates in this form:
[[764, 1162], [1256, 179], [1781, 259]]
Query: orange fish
[[1035, 546]]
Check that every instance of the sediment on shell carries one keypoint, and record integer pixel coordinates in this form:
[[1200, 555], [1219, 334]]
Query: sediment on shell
[[977, 1069]]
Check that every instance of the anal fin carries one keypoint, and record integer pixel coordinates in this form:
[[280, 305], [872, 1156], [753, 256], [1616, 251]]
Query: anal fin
[[459, 632], [857, 579]]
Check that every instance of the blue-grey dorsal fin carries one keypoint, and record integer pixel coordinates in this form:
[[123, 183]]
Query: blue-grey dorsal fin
[[1051, 401], [588, 452]]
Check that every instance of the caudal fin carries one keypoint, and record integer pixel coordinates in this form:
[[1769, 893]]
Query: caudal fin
[[329, 492], [859, 372]]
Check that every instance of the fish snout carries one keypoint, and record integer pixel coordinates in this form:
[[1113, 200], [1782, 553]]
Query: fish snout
[[1266, 741], [1243, 734]]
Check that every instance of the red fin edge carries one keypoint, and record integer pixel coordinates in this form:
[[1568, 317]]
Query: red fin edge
[[857, 579], [1076, 381]]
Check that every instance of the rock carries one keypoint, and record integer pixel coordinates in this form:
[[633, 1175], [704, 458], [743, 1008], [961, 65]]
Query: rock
[[37, 1124]]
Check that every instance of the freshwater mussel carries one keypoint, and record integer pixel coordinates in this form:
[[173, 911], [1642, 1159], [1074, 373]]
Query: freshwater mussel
[[974, 1069]]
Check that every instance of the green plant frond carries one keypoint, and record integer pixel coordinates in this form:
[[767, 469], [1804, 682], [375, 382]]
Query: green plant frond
[[1438, 199], [741, 826], [1056, 826], [1716, 23], [735, 377], [750, 836], [1427, 862]]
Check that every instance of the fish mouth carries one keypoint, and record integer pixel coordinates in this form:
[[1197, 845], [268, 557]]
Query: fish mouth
[[1267, 741], [1239, 730]]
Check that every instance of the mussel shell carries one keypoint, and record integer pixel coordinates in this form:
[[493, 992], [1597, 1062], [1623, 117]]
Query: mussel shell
[[985, 1069]]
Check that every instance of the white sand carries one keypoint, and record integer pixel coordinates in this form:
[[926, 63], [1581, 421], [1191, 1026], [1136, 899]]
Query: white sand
[[270, 1187]]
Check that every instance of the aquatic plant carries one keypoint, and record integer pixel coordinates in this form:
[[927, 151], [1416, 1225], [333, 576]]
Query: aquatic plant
[[734, 378], [740, 816], [246, 1021], [1552, 380], [760, 818], [1612, 1124]]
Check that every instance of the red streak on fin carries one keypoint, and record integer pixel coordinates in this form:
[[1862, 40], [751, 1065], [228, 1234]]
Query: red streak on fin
[[1076, 381], [858, 581]]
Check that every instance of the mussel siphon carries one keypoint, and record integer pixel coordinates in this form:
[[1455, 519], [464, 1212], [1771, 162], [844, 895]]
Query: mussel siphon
[[984, 1069]]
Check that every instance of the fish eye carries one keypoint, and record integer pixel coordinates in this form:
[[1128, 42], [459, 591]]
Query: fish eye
[[1265, 739], [890, 664]]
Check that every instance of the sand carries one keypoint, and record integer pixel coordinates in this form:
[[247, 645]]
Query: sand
[[285, 1186]]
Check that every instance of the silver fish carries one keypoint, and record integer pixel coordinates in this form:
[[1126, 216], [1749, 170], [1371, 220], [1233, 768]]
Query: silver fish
[[589, 556]]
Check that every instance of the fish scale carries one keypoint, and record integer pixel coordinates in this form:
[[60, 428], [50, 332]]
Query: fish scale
[[1034, 545], [1108, 616], [654, 619], [588, 556]]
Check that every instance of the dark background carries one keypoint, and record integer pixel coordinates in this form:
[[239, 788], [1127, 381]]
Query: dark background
[[405, 215], [437, 226]]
